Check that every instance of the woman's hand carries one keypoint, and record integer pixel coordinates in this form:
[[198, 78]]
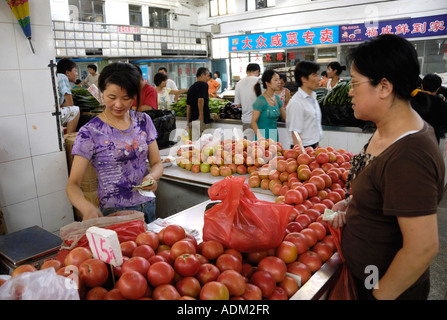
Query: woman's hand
[[91, 214], [152, 187], [340, 219]]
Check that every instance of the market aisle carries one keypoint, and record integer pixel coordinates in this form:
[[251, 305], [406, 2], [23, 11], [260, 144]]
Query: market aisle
[[438, 268]]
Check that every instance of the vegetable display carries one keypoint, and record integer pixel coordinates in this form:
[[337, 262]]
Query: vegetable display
[[214, 104], [339, 95], [84, 99]]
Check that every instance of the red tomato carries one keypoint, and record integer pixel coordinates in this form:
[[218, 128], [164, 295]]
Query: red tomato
[[187, 265], [190, 237], [138, 264], [252, 292], [214, 290], [289, 285], [189, 286], [127, 248], [212, 249], [312, 260], [255, 257], [149, 238], [114, 294], [53, 263], [329, 240], [299, 240], [23, 268], [207, 272], [77, 256], [160, 273], [93, 272], [247, 270], [182, 247], [319, 229], [201, 258], [167, 255], [144, 251], [173, 233], [234, 282], [294, 226], [312, 214], [323, 250], [132, 285], [287, 252], [311, 236], [157, 258], [276, 266], [303, 220], [228, 261], [264, 280], [278, 294], [96, 293], [165, 292], [234, 252], [300, 269]]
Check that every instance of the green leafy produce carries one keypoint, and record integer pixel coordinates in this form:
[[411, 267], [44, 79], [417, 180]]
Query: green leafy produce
[[214, 104], [83, 98], [339, 95]]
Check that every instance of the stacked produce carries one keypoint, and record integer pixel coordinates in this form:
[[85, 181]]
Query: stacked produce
[[339, 95], [228, 156], [215, 105], [171, 265], [84, 99]]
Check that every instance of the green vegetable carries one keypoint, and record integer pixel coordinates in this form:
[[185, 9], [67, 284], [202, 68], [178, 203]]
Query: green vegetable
[[214, 104], [339, 95]]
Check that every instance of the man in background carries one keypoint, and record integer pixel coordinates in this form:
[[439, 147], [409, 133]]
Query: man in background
[[66, 73], [92, 77], [245, 96], [170, 84], [197, 108]]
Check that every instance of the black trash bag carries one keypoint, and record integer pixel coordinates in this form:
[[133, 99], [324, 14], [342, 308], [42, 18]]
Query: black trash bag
[[164, 122]]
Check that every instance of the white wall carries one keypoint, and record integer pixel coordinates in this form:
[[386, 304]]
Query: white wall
[[33, 172]]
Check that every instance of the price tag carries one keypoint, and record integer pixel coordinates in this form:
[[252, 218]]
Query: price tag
[[105, 245]]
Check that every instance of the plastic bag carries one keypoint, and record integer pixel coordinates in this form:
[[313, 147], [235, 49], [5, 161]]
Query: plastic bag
[[72, 233], [39, 285], [241, 221], [344, 288]]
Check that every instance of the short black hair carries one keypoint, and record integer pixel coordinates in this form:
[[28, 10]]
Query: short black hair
[[162, 68], [266, 77], [159, 78], [201, 70], [304, 69], [335, 65], [253, 67], [218, 73], [92, 66], [65, 65], [122, 74], [431, 82], [388, 56]]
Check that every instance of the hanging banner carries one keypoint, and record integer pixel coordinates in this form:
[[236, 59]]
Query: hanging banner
[[407, 28], [284, 39]]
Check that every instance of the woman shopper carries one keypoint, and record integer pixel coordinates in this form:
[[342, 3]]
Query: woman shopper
[[396, 181], [267, 107], [163, 92], [334, 70], [117, 142]]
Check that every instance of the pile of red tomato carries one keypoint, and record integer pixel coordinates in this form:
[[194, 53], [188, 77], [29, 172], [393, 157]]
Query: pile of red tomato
[[171, 265]]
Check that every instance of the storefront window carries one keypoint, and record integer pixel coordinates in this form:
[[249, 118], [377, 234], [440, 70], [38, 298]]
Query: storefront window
[[135, 17], [158, 18], [432, 55], [87, 10]]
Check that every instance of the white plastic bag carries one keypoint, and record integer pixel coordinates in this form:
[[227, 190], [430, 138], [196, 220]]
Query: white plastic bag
[[39, 285]]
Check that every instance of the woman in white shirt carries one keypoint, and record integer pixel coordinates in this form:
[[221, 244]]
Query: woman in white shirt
[[334, 69], [164, 93]]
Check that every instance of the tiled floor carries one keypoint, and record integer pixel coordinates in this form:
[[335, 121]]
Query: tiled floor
[[438, 269]]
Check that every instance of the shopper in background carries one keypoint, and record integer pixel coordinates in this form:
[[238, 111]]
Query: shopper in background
[[303, 111], [268, 107], [77, 84], [66, 72], [148, 96], [219, 80], [324, 79], [170, 84], [92, 77], [117, 142], [163, 92], [213, 86], [334, 70], [430, 106], [245, 96], [197, 104], [390, 224], [283, 93]]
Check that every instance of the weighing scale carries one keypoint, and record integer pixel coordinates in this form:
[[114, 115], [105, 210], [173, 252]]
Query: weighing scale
[[32, 245]]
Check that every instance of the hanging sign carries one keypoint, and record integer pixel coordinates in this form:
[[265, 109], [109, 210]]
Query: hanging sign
[[407, 28], [284, 39]]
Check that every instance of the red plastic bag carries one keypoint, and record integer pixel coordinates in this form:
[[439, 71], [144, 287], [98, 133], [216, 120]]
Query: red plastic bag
[[242, 221], [344, 288]]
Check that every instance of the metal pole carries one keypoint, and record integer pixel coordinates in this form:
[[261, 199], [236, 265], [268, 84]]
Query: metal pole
[[57, 112]]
